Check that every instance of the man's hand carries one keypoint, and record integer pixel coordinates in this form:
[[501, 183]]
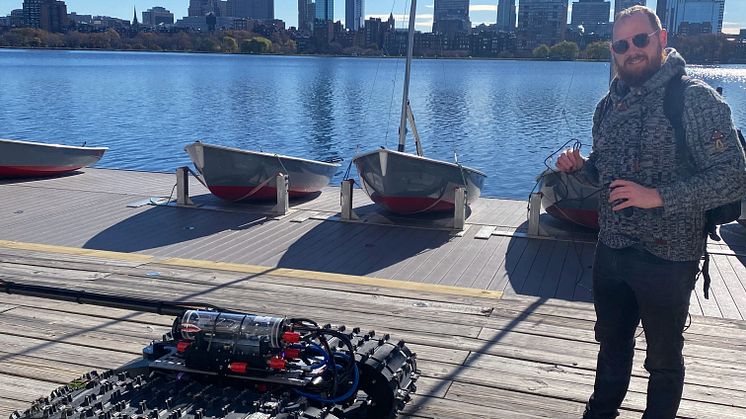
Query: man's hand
[[629, 194], [570, 160]]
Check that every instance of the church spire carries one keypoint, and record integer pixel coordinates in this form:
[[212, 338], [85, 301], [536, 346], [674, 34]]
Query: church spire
[[135, 22]]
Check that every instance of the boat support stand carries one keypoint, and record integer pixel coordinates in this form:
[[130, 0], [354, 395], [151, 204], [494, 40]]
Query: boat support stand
[[534, 205], [459, 209], [282, 181], [282, 207], [345, 200], [182, 187]]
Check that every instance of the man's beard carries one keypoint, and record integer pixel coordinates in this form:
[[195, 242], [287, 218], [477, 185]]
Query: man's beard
[[639, 77]]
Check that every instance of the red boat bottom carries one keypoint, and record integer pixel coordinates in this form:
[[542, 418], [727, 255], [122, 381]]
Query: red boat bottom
[[585, 218], [240, 193], [412, 205], [34, 171]]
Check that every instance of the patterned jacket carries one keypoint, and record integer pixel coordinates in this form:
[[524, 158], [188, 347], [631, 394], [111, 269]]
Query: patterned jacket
[[635, 141]]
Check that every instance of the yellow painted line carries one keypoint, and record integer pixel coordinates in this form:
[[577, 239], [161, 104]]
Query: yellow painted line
[[65, 250], [254, 269]]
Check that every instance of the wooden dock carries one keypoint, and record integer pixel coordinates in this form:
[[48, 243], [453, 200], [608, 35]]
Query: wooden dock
[[501, 323]]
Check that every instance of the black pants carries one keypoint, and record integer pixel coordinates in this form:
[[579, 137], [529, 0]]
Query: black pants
[[630, 285]]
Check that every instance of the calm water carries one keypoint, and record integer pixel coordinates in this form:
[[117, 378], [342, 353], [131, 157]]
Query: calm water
[[502, 117]]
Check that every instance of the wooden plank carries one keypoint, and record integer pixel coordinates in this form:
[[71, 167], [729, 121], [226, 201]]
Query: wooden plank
[[380, 257], [502, 398], [306, 250], [16, 393], [518, 259], [730, 268], [567, 382], [485, 232], [493, 268], [283, 236], [272, 303], [472, 267], [438, 408], [526, 278], [573, 271], [720, 293], [584, 288], [355, 251], [468, 255], [439, 259], [427, 240], [548, 286], [326, 248], [457, 249]]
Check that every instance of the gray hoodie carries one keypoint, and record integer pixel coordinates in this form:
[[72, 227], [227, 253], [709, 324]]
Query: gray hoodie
[[635, 141]]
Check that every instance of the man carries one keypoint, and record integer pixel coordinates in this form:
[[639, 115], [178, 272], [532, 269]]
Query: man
[[652, 211]]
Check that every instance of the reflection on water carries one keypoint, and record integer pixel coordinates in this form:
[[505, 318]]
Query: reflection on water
[[502, 117]]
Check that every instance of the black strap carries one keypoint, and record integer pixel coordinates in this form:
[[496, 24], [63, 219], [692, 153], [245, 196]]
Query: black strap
[[706, 276], [673, 108]]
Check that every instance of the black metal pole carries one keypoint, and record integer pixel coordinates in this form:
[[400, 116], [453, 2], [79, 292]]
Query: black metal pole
[[83, 297]]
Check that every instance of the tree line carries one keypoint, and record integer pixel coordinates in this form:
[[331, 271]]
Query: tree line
[[706, 48], [222, 41]]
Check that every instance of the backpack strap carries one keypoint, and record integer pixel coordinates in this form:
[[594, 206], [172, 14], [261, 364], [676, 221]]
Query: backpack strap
[[605, 104], [673, 108]]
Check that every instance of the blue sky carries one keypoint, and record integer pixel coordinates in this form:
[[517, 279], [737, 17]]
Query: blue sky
[[482, 11]]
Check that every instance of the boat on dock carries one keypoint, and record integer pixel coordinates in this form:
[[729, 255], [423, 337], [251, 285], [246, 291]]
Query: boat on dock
[[567, 198], [405, 183], [33, 159], [237, 175]]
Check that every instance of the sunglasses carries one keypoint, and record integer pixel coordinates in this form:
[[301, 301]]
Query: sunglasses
[[641, 40]]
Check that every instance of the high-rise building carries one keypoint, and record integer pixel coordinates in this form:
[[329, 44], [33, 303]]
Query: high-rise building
[[541, 22], [325, 10], [251, 9], [620, 5], [17, 20], [692, 16], [306, 15], [201, 8], [50, 15], [451, 16], [591, 14], [354, 14], [157, 16], [506, 15]]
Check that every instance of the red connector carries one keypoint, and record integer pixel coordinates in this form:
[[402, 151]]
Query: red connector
[[277, 363], [292, 353], [291, 337], [238, 367], [182, 346]]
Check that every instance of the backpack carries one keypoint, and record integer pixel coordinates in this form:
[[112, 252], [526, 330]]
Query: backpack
[[673, 108]]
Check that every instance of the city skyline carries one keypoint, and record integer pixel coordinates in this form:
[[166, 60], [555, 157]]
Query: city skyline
[[481, 11]]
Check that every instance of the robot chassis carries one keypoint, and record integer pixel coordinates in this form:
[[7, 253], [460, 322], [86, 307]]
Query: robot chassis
[[217, 363]]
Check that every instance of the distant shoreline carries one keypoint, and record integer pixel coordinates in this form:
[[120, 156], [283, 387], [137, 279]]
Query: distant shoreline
[[421, 57], [738, 62]]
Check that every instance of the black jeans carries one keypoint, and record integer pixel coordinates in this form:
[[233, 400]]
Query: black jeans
[[630, 285]]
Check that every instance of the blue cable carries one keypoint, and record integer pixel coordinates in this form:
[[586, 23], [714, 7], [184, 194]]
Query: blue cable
[[347, 395], [320, 351]]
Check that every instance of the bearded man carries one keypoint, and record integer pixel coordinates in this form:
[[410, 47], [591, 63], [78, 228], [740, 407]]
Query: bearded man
[[652, 212]]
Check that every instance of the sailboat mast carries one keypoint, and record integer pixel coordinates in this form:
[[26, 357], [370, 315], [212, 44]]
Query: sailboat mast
[[407, 74]]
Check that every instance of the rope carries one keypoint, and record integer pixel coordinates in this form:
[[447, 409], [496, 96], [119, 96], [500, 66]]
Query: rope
[[576, 145], [463, 178]]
